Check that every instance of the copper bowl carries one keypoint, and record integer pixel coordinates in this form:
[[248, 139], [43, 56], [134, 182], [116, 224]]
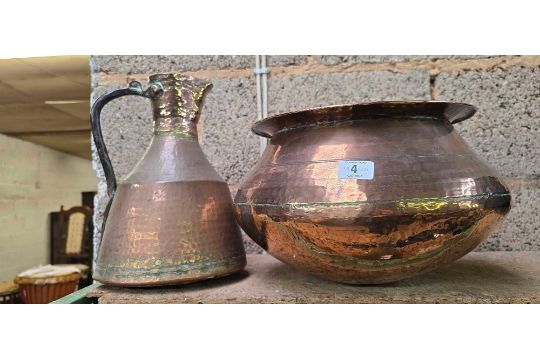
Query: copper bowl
[[369, 193]]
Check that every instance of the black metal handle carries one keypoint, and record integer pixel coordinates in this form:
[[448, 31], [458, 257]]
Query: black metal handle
[[134, 88]]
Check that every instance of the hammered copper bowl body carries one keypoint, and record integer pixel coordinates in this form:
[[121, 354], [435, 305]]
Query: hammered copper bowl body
[[431, 199]]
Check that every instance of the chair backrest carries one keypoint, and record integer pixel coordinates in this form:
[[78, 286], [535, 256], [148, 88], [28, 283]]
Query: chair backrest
[[73, 240]]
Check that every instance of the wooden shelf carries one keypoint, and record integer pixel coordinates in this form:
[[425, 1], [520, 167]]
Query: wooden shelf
[[480, 277]]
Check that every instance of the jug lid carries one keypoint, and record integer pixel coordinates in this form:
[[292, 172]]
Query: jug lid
[[451, 111]]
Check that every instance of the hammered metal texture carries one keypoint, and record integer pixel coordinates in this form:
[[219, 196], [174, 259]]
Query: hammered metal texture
[[167, 233], [430, 202], [177, 110], [171, 220]]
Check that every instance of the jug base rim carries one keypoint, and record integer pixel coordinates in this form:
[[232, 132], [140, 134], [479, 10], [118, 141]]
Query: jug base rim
[[150, 279]]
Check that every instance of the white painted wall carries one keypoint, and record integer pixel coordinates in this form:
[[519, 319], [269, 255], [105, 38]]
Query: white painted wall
[[34, 180]]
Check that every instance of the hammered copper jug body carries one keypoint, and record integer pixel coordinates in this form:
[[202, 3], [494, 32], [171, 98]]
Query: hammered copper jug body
[[369, 193], [170, 221]]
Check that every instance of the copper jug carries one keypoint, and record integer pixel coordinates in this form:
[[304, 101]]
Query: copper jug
[[170, 221], [369, 193]]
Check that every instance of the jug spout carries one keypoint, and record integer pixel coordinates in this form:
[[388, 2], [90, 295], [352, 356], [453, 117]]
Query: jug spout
[[177, 109]]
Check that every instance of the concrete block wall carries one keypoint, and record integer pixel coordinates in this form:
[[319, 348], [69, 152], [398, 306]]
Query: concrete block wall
[[505, 131], [34, 180]]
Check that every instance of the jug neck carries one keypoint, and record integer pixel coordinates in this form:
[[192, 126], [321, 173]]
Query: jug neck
[[177, 109]]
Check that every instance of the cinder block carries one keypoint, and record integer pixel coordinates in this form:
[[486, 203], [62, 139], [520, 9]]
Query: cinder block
[[289, 93], [229, 112], [142, 64], [286, 60], [392, 59], [506, 129], [520, 230]]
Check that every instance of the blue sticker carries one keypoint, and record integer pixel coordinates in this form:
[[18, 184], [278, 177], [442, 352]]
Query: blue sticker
[[356, 169]]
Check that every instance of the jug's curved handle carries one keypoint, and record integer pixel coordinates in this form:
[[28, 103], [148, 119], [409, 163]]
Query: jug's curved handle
[[135, 88]]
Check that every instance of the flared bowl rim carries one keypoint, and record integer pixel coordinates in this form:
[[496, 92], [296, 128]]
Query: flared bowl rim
[[452, 112]]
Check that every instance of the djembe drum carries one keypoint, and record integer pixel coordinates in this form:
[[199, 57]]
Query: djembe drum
[[44, 284]]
